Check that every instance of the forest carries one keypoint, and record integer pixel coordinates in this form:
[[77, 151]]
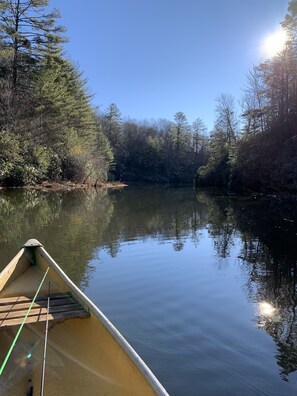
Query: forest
[[257, 151], [51, 131], [48, 128]]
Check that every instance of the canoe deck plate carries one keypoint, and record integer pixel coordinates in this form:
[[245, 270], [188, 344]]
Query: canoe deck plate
[[62, 306]]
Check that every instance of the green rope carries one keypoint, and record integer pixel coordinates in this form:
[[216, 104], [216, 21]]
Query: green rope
[[22, 325]]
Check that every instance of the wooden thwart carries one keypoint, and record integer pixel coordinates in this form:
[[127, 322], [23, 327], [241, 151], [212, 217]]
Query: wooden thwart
[[62, 306]]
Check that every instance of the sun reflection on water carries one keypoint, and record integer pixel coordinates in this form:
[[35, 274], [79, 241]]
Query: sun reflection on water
[[266, 309], [266, 314]]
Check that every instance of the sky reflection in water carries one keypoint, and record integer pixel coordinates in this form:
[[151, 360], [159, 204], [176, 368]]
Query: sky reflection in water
[[200, 284]]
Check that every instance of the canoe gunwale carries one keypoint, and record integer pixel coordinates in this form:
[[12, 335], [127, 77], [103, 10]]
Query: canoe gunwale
[[10, 268], [91, 307]]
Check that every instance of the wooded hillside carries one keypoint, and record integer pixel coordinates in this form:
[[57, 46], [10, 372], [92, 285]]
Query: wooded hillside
[[258, 151], [50, 131], [48, 128]]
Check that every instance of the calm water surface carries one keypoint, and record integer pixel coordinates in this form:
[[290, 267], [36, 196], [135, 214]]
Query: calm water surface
[[202, 286]]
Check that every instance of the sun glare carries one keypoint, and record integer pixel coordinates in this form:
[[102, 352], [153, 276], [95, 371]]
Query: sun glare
[[266, 309], [274, 43]]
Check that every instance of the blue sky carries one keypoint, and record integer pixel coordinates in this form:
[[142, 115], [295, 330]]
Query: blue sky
[[156, 57]]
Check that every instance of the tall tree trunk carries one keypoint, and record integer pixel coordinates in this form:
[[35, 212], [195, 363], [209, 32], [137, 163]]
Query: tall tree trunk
[[15, 48]]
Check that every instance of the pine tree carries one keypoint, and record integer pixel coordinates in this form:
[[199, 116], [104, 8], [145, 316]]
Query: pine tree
[[26, 33]]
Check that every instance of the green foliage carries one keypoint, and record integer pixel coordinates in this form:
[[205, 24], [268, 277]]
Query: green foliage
[[27, 32], [20, 167], [217, 170], [49, 128], [21, 175], [159, 152], [74, 167], [9, 153], [54, 170], [50, 131], [266, 164]]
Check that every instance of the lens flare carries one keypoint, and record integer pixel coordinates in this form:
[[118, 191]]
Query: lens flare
[[274, 43]]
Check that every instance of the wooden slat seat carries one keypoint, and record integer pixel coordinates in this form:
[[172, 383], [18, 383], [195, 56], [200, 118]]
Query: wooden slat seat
[[62, 306]]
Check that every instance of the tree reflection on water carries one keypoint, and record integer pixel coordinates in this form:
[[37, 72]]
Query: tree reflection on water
[[75, 225], [65, 222], [268, 232]]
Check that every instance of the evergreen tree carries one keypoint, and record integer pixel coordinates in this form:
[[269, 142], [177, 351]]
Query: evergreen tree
[[199, 136], [44, 103], [26, 32], [112, 125]]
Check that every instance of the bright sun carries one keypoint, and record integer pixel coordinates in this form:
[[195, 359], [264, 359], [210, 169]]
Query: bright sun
[[274, 43]]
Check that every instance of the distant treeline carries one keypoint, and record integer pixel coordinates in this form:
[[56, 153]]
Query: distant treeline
[[253, 148], [156, 151], [50, 131]]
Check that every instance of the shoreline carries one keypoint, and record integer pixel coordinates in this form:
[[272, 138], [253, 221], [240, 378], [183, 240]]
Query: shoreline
[[67, 186]]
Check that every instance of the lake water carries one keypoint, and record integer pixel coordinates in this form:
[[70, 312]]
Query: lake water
[[202, 286]]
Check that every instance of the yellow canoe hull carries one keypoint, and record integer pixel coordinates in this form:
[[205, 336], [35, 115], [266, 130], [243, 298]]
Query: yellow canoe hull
[[84, 356]]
